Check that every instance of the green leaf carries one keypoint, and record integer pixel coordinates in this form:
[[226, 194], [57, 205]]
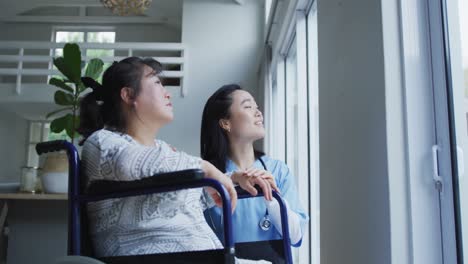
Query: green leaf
[[58, 125], [63, 68], [72, 58], [62, 98], [94, 68], [61, 84], [70, 126], [58, 111]]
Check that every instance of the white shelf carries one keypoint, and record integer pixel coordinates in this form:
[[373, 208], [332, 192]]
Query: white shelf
[[33, 196]]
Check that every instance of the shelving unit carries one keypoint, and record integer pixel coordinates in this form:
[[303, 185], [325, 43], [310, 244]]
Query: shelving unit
[[33, 196]]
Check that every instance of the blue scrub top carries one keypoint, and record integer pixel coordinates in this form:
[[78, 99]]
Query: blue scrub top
[[250, 211]]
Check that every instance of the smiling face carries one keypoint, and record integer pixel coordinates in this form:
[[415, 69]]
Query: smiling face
[[245, 119], [153, 104]]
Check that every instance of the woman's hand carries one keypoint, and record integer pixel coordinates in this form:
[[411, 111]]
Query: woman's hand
[[266, 175], [227, 183], [213, 173], [251, 177]]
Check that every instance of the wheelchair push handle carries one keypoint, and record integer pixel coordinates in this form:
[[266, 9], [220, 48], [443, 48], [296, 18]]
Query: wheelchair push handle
[[246, 194], [51, 146]]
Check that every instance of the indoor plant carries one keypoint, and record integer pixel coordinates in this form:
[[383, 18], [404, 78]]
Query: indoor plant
[[71, 88], [68, 96]]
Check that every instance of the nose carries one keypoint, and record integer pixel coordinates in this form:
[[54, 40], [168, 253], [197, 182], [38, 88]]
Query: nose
[[258, 113], [167, 95]]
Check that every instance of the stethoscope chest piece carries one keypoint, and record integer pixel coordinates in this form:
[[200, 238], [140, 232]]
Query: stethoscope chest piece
[[265, 223]]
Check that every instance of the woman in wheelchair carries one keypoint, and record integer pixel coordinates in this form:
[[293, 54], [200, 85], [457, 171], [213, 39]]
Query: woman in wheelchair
[[231, 123], [119, 122]]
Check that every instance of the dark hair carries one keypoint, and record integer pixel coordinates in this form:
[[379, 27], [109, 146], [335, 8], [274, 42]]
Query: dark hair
[[103, 106], [214, 142]]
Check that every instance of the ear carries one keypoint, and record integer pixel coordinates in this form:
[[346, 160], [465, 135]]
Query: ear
[[225, 124], [126, 94]]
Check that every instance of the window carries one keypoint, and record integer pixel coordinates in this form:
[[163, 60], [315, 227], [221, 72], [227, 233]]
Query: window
[[278, 116], [292, 108], [313, 133], [452, 113], [39, 132], [462, 145], [295, 127], [268, 4], [86, 35]]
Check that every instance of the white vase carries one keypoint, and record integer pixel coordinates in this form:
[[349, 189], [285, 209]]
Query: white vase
[[55, 182], [55, 173]]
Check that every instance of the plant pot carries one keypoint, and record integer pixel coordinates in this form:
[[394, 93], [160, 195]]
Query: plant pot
[[55, 173], [55, 182]]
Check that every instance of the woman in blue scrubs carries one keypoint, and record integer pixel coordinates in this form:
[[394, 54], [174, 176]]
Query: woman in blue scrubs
[[231, 123]]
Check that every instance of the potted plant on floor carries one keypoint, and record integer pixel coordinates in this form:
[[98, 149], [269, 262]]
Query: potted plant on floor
[[66, 118]]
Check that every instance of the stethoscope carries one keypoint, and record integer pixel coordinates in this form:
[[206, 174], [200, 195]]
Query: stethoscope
[[265, 222]]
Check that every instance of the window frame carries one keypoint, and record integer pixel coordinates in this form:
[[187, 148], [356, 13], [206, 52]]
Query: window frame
[[412, 49], [415, 202], [313, 132], [84, 29], [295, 26], [451, 125]]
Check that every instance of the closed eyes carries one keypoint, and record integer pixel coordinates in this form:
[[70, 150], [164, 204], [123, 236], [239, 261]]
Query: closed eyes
[[249, 106]]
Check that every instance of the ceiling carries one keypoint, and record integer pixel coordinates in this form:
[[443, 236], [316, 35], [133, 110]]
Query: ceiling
[[167, 12]]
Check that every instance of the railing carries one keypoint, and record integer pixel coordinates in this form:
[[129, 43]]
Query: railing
[[14, 55]]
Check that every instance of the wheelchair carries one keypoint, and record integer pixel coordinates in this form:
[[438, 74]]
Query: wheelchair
[[79, 243]]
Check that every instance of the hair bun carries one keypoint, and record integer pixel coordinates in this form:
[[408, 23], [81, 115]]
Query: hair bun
[[98, 89], [91, 83]]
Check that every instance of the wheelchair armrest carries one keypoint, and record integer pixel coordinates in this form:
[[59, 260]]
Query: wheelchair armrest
[[103, 187], [163, 182]]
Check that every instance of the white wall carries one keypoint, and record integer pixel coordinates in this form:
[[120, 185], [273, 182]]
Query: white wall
[[223, 41], [354, 188], [124, 33], [25, 32], [13, 134], [147, 33]]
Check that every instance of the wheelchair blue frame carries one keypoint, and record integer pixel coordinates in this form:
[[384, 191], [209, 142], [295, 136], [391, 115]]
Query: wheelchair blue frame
[[284, 221], [76, 200]]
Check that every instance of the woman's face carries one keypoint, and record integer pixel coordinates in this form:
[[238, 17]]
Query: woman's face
[[246, 120], [153, 104]]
